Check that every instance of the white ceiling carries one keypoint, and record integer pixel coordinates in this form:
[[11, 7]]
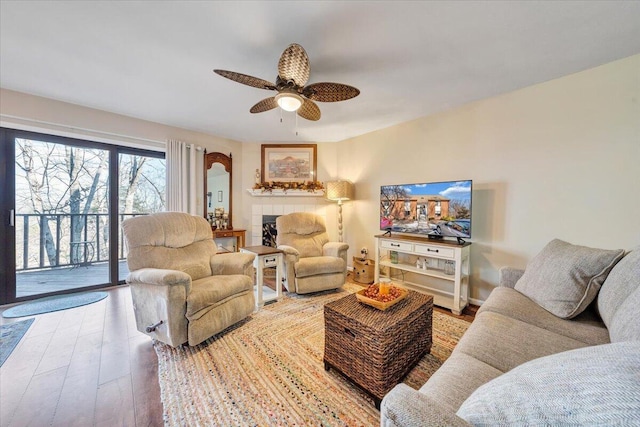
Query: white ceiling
[[154, 59]]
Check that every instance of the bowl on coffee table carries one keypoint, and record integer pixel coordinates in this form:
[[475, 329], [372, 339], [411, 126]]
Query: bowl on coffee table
[[382, 295]]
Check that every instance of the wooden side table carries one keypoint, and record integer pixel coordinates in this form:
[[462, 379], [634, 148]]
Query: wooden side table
[[266, 257], [237, 234]]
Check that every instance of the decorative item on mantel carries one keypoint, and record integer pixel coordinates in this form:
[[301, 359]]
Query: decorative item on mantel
[[310, 186]]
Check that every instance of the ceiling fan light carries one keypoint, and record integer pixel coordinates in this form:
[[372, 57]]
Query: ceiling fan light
[[289, 101]]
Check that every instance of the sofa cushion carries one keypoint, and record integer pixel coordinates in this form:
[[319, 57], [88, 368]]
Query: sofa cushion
[[212, 291], [595, 385], [564, 278], [504, 343], [457, 378], [404, 406], [319, 265], [587, 327], [619, 299], [626, 325]]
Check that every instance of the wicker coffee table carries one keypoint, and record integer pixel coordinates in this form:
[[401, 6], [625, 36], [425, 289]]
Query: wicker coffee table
[[376, 349]]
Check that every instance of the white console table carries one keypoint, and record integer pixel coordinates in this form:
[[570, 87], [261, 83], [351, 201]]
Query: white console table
[[435, 257]]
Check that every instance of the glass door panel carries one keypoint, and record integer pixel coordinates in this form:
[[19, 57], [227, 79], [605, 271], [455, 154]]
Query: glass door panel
[[61, 217]]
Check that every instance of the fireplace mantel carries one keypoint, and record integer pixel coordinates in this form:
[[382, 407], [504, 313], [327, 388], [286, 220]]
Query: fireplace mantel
[[285, 193]]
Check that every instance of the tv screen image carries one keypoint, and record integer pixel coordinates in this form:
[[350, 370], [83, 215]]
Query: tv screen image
[[435, 209]]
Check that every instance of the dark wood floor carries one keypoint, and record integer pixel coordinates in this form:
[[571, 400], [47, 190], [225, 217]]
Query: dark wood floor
[[468, 314], [87, 366]]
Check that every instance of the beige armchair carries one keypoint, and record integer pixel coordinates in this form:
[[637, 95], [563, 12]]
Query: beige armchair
[[312, 263], [182, 290]]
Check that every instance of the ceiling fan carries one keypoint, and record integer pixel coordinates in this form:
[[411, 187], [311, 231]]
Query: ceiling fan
[[293, 95]]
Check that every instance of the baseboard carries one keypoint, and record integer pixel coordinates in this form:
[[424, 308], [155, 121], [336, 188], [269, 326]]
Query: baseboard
[[477, 302]]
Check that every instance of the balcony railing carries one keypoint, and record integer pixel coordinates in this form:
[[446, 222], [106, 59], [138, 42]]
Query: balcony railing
[[47, 240]]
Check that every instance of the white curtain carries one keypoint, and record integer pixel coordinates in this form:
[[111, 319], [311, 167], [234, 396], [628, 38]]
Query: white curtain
[[184, 177]]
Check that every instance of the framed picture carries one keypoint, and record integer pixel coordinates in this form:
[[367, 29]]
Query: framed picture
[[289, 162]]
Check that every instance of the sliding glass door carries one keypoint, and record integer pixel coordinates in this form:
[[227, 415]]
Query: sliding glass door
[[62, 203]]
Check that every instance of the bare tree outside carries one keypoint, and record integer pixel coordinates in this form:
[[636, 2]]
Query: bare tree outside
[[142, 184], [61, 184], [62, 200]]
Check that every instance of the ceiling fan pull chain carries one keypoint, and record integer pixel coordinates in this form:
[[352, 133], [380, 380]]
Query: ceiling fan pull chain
[[281, 115], [296, 125]]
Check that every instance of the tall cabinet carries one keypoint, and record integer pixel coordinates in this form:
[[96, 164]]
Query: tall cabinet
[[439, 268]]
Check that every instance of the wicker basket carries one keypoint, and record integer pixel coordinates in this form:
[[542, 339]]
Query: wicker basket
[[376, 349]]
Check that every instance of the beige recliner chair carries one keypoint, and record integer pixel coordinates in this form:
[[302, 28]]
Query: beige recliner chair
[[182, 291], [312, 263]]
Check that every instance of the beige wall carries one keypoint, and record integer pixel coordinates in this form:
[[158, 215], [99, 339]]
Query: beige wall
[[558, 159]]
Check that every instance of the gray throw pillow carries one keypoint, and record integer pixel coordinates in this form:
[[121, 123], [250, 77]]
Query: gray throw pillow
[[596, 385], [619, 299], [564, 278]]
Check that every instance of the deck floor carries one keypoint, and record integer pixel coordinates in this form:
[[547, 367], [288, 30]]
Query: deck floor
[[64, 278]]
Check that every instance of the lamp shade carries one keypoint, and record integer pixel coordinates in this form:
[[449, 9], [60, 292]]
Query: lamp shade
[[340, 190]]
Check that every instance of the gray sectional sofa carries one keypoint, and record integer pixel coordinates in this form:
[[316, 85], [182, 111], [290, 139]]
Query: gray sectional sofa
[[555, 344]]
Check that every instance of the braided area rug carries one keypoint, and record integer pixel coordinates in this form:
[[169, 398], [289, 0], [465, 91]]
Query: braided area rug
[[268, 370]]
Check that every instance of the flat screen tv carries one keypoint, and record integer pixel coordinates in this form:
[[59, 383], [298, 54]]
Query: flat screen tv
[[434, 209]]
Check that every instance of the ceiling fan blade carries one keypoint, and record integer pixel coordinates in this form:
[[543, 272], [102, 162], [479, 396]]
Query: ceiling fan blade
[[264, 105], [294, 65], [330, 92], [309, 110], [246, 80]]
